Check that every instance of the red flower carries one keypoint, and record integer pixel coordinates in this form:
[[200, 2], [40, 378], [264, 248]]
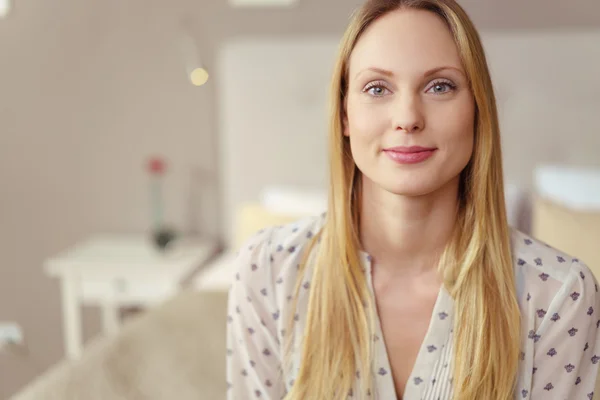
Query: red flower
[[156, 165]]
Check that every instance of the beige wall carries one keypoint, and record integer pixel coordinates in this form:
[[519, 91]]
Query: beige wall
[[88, 89], [272, 127]]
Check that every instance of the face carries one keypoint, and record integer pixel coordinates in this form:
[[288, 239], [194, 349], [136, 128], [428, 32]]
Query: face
[[409, 110]]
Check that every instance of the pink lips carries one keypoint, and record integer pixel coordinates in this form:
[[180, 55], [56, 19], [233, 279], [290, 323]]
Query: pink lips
[[409, 155]]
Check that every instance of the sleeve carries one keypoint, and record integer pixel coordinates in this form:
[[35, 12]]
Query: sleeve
[[567, 350], [253, 353]]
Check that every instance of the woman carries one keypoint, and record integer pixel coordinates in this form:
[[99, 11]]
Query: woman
[[411, 286]]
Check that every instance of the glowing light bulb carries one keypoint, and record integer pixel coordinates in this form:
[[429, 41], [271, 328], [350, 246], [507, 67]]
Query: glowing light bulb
[[199, 76]]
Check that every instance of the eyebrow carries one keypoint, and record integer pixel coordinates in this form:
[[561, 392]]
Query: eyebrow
[[390, 74]]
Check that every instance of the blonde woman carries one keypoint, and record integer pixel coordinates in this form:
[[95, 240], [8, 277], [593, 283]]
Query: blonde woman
[[411, 286]]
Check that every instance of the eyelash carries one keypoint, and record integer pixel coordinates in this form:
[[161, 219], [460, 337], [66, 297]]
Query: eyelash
[[451, 85], [438, 82]]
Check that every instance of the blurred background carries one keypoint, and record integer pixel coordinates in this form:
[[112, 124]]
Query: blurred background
[[141, 141]]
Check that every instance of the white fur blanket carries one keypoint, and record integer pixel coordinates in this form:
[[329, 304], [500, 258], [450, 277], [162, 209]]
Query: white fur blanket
[[175, 351]]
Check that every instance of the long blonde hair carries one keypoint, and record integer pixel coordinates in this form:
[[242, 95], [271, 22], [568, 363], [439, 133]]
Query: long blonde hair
[[476, 265]]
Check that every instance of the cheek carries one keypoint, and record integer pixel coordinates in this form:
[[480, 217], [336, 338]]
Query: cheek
[[457, 125], [365, 121]]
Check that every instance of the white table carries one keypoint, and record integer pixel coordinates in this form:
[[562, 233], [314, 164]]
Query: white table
[[217, 276], [114, 271]]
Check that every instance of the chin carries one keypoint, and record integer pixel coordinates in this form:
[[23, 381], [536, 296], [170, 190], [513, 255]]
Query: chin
[[411, 190], [415, 184]]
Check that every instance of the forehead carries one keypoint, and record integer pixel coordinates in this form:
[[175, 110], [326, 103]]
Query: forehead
[[407, 42]]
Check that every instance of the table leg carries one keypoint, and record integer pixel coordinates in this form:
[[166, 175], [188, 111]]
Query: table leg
[[71, 317]]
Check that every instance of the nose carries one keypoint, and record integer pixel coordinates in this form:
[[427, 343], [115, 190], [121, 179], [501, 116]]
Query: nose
[[408, 114]]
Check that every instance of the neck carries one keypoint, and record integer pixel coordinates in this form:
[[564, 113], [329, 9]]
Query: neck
[[407, 234]]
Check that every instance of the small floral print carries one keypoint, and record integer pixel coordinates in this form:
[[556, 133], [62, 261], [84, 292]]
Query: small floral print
[[306, 285], [549, 387], [569, 368], [578, 380], [276, 315], [382, 371], [279, 281], [291, 249], [590, 395], [590, 311], [574, 296], [581, 275], [541, 312], [595, 359], [573, 331], [528, 242], [555, 317], [528, 297], [418, 380], [520, 261], [534, 370], [538, 261], [522, 356], [244, 372], [443, 315], [534, 336], [279, 248], [431, 348], [254, 267], [268, 383], [598, 324], [560, 259], [544, 276], [309, 234], [257, 393], [551, 352], [263, 291], [267, 352], [252, 363], [587, 346], [524, 393]]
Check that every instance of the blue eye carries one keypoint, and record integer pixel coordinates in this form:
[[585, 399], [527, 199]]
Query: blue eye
[[442, 87], [376, 89]]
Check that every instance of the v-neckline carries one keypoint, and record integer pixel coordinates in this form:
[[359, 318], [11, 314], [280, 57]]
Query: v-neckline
[[422, 369], [411, 391]]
